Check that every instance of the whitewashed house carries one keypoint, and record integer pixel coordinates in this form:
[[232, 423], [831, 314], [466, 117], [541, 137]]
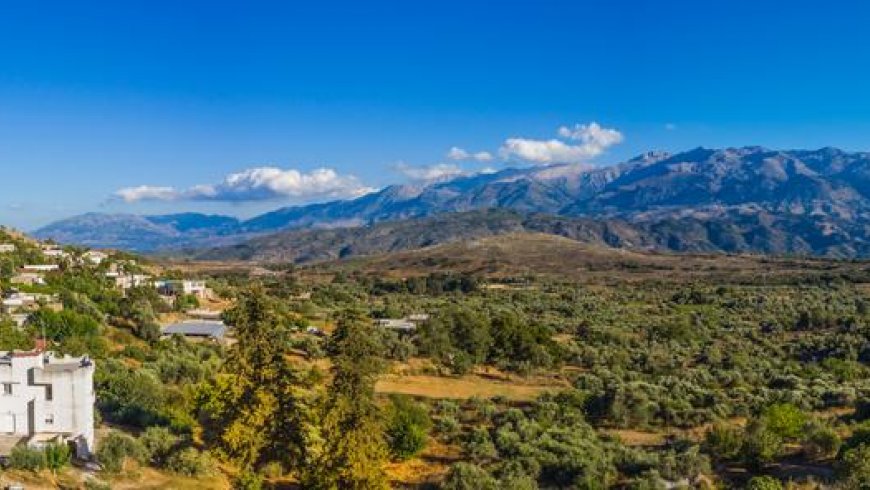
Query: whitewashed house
[[6, 248], [17, 301], [55, 253], [28, 279], [46, 399], [95, 257], [127, 281], [179, 287], [40, 267]]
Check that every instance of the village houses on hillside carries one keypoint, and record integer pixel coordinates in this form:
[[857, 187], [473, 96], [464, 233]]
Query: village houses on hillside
[[46, 399]]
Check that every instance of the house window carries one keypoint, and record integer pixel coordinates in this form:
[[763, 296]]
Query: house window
[[49, 394], [7, 388], [49, 419]]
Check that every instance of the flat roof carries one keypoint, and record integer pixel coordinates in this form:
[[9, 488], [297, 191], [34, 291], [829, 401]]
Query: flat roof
[[197, 329]]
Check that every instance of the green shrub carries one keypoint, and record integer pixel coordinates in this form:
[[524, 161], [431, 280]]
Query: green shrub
[[465, 476], [248, 480], [821, 442], [157, 444], [57, 456], [785, 420], [478, 445], [407, 427], [26, 458], [764, 483], [190, 462], [115, 448], [760, 444], [855, 467], [723, 441]]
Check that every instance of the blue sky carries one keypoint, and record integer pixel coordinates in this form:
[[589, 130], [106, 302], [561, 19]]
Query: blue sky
[[98, 97]]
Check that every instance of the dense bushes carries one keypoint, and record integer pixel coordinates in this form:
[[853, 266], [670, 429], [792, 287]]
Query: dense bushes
[[408, 426]]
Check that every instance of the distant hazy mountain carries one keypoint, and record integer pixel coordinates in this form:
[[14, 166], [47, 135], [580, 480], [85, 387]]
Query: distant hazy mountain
[[789, 201], [143, 233]]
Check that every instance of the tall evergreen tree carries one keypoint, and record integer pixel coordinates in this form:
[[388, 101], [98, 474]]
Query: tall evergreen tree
[[255, 410], [354, 448]]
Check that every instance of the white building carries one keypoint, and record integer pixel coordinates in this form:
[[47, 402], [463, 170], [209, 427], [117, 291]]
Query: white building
[[45, 399], [178, 287], [95, 256], [55, 253], [6, 248], [27, 278], [128, 281], [40, 267]]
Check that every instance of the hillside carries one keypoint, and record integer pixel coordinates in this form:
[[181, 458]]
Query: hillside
[[732, 234], [525, 254], [752, 198]]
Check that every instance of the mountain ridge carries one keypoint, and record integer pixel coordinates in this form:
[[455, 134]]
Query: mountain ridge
[[824, 194]]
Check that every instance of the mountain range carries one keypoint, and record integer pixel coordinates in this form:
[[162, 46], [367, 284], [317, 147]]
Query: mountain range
[[734, 199]]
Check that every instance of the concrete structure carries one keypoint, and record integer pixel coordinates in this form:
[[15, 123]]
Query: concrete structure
[[197, 329], [47, 399], [40, 267], [6, 248], [127, 281], [407, 324], [55, 253], [179, 287], [28, 279], [399, 324], [418, 318], [95, 256]]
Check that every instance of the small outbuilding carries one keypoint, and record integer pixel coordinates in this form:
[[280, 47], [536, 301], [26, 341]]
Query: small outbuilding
[[197, 329]]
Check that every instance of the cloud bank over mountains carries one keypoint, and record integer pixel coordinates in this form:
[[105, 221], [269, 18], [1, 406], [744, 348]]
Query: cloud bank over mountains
[[574, 144], [256, 184], [591, 140]]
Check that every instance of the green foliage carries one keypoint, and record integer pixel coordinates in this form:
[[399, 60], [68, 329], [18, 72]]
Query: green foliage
[[821, 442], [190, 462], [61, 325], [764, 483], [114, 450], [723, 441], [26, 458], [12, 338], [785, 420], [478, 445], [57, 456], [128, 396], [761, 445], [465, 476], [354, 448], [186, 302], [158, 444], [855, 467], [248, 480], [252, 412], [407, 428]]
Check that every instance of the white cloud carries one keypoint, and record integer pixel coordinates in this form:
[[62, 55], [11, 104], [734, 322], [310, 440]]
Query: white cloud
[[146, 193], [593, 141], [430, 173], [670, 126], [483, 156], [256, 184], [593, 136], [457, 153]]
